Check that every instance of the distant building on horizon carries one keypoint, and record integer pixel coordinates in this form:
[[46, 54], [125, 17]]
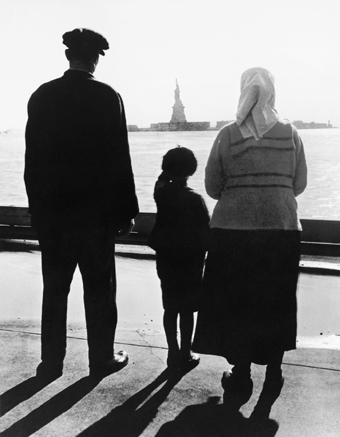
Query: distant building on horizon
[[132, 128], [299, 124], [222, 123]]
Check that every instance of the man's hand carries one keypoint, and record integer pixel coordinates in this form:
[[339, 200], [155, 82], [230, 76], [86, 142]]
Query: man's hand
[[126, 228]]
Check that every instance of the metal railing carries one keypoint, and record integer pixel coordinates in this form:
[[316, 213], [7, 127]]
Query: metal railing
[[319, 237]]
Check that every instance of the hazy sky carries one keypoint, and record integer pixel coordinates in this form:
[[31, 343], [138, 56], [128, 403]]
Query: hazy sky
[[205, 44]]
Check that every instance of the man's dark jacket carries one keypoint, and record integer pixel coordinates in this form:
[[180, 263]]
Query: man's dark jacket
[[77, 161]]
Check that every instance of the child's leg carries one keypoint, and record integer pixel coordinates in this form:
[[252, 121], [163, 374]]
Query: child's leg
[[170, 328], [186, 324]]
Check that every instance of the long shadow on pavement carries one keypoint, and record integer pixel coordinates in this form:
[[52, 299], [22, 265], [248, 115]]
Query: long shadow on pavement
[[211, 419], [214, 419], [20, 393], [128, 420], [51, 409]]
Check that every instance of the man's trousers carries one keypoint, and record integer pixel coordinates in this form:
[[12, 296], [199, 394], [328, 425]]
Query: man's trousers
[[89, 246]]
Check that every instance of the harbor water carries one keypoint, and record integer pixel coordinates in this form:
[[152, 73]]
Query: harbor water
[[321, 200]]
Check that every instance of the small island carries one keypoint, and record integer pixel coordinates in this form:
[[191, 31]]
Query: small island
[[178, 121]]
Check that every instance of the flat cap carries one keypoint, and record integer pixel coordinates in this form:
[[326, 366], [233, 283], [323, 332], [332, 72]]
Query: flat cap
[[85, 40]]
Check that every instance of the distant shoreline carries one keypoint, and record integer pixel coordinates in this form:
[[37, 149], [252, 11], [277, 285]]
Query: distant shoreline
[[214, 129], [205, 126]]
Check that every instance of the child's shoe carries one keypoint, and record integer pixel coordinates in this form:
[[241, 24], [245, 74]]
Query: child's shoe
[[189, 359]]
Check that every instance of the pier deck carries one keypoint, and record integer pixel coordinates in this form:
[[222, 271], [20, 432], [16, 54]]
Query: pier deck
[[141, 400]]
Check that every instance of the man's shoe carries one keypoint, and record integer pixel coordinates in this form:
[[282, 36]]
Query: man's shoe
[[115, 364], [49, 371]]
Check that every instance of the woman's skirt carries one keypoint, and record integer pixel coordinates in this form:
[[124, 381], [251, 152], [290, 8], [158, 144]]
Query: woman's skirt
[[248, 307]]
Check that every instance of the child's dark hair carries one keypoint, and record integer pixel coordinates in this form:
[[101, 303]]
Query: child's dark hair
[[179, 162]]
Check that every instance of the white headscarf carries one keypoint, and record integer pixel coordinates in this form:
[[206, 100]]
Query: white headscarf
[[255, 112]]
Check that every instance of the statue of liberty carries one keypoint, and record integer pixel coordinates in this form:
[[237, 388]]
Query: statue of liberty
[[178, 115]]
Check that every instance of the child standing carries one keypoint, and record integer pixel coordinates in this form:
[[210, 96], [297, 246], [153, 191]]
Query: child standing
[[178, 238]]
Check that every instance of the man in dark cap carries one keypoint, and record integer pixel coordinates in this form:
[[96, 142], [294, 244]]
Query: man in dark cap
[[81, 193]]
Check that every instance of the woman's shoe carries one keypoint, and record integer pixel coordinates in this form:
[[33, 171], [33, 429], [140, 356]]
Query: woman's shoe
[[236, 383], [270, 392], [273, 385], [237, 390]]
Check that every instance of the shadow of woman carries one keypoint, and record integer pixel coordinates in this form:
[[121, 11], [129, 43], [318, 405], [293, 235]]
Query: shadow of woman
[[51, 409], [263, 407], [215, 419], [128, 420]]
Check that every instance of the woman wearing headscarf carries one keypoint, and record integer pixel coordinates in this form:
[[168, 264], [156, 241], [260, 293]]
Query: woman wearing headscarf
[[255, 171]]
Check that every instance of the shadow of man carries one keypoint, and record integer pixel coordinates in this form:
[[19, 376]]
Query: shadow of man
[[47, 412], [20, 393], [128, 420]]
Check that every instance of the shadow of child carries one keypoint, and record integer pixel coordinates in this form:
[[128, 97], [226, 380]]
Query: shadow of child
[[128, 420]]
